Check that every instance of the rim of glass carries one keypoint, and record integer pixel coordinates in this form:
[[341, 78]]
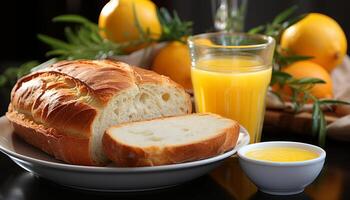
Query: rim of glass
[[268, 40]]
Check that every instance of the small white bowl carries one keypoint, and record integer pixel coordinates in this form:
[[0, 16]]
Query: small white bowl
[[281, 178]]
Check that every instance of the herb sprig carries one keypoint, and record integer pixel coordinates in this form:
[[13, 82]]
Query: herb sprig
[[84, 41], [173, 28], [300, 88], [300, 95]]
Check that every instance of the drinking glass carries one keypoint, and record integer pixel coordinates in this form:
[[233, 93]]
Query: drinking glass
[[230, 74], [229, 15]]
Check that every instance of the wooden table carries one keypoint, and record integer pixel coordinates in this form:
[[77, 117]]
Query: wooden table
[[226, 182]]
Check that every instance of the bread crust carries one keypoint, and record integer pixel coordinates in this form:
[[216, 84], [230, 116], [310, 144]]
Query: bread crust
[[63, 147], [125, 155], [54, 109]]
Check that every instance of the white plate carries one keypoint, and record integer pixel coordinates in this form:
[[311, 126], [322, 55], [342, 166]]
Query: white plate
[[108, 178]]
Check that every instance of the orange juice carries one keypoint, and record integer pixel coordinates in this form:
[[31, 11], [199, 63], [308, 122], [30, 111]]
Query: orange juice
[[234, 87]]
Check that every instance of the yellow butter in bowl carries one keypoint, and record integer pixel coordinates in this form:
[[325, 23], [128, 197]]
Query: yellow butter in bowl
[[281, 154], [281, 167]]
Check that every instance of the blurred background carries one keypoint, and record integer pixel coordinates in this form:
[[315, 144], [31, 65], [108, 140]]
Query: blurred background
[[21, 21]]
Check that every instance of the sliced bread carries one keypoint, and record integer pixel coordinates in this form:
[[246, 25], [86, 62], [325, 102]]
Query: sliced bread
[[65, 108], [170, 140]]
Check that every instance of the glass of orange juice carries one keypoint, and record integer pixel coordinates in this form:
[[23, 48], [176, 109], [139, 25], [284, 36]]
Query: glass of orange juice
[[230, 74]]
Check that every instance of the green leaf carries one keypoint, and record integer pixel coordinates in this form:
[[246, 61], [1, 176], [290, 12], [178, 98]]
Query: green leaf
[[322, 130], [83, 42], [70, 18], [304, 81], [85, 37], [176, 17], [71, 36], [54, 43], [333, 102], [286, 60], [76, 19], [284, 15], [280, 77], [257, 29], [315, 118], [164, 16], [96, 37], [281, 74], [292, 21], [295, 102]]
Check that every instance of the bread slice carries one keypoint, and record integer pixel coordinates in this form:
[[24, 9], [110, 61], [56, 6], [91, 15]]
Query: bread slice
[[170, 140], [65, 108]]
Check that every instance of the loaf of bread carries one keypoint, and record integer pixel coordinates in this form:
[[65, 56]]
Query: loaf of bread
[[170, 140], [65, 108]]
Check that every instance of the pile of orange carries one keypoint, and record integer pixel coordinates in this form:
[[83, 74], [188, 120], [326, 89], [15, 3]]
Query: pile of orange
[[321, 37], [316, 35], [117, 22]]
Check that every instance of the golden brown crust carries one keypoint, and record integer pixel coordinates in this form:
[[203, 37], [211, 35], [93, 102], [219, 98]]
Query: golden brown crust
[[54, 109], [125, 155], [56, 100], [63, 147], [105, 78], [114, 151]]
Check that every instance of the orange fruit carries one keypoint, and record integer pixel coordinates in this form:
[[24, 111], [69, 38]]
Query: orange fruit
[[308, 69], [117, 21], [174, 61], [319, 36]]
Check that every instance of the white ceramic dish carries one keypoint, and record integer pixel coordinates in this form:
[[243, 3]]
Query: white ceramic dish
[[282, 178], [108, 178]]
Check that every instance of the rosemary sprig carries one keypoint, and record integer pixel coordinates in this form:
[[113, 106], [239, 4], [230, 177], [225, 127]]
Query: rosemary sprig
[[85, 41], [300, 88], [173, 28], [287, 60], [82, 42], [301, 94], [318, 118]]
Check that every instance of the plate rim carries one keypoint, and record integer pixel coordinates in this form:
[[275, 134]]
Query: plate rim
[[65, 166]]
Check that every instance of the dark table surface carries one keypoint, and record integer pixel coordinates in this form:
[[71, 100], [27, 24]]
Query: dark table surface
[[226, 182]]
